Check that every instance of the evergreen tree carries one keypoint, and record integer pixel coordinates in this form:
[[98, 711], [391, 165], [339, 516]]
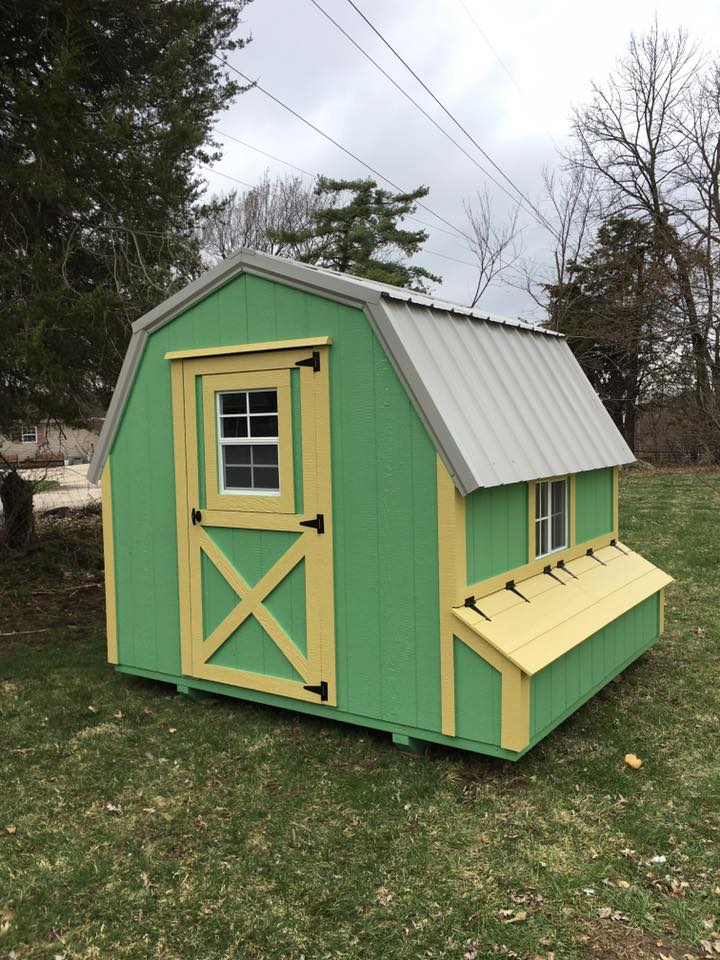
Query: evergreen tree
[[362, 237], [613, 310], [105, 108]]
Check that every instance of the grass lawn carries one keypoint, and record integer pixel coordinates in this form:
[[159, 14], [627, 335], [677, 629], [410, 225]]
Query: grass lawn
[[135, 823]]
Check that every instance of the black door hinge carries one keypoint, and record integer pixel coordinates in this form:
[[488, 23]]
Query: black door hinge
[[471, 605], [195, 516], [313, 361], [318, 523], [321, 689]]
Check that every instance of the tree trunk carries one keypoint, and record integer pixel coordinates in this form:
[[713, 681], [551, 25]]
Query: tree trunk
[[16, 496]]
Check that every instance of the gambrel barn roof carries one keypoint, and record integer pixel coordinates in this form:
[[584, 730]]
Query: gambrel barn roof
[[503, 401]]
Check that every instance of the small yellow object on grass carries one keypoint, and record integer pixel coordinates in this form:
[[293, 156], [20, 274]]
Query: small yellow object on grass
[[632, 761]]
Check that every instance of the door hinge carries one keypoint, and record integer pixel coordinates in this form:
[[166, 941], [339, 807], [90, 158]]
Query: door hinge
[[313, 361], [318, 523], [321, 689], [195, 516]]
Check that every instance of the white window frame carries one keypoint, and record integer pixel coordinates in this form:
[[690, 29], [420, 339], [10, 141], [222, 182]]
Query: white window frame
[[29, 435], [547, 518], [245, 441]]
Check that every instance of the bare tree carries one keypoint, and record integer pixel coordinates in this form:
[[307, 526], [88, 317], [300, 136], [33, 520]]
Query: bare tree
[[246, 218], [494, 245], [649, 135]]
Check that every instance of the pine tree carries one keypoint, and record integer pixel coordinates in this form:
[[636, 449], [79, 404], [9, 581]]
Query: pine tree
[[363, 236]]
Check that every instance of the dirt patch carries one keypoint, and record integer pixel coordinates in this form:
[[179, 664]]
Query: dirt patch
[[613, 941]]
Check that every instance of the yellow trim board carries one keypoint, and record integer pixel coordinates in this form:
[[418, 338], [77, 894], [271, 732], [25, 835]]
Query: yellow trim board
[[109, 558], [249, 348], [212, 384]]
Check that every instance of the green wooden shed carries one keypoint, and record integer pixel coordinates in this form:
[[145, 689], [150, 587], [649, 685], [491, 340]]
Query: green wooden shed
[[355, 501]]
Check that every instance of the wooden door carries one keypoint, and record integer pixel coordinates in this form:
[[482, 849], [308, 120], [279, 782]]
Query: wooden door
[[252, 460]]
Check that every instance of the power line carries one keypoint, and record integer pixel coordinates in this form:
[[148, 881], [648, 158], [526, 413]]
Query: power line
[[414, 102], [505, 68], [227, 176], [538, 215], [293, 166], [337, 144]]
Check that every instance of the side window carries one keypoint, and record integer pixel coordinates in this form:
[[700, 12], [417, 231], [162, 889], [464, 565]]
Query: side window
[[551, 516], [249, 442]]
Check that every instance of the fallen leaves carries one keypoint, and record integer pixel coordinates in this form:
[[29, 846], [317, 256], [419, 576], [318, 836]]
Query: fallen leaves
[[6, 918], [633, 761], [608, 913], [11, 829], [510, 916]]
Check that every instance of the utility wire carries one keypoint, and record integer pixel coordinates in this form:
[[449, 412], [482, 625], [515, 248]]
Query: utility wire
[[293, 166], [337, 144], [414, 102], [507, 70], [538, 215]]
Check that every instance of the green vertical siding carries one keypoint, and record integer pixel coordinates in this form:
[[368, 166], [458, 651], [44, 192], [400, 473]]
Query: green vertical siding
[[477, 697], [496, 530], [384, 504], [594, 504], [560, 688]]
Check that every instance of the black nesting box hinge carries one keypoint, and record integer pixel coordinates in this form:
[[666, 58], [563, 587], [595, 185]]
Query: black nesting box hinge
[[321, 689], [318, 523], [591, 553], [561, 566], [312, 361], [510, 585], [548, 572], [471, 605]]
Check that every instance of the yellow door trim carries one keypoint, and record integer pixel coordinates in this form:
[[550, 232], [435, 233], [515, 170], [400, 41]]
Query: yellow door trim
[[109, 559], [302, 343], [212, 384], [319, 663]]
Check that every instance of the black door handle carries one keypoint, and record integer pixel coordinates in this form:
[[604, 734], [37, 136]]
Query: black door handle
[[195, 516]]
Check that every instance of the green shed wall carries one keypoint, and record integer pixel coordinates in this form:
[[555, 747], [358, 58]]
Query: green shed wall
[[594, 511], [562, 687], [384, 503], [496, 521]]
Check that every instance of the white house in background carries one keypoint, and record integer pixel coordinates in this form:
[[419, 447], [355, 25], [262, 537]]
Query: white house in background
[[45, 444]]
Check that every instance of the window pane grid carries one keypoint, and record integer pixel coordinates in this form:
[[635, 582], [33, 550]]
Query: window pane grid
[[550, 516], [248, 440]]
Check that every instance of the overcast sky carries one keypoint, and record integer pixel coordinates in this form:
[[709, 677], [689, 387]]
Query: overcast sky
[[517, 111]]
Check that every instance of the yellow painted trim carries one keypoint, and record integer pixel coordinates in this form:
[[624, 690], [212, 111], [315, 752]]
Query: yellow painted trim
[[532, 546], [661, 612], [483, 587], [572, 508], [182, 511], [302, 343], [616, 502], [515, 709], [215, 499], [316, 550], [109, 557], [451, 521]]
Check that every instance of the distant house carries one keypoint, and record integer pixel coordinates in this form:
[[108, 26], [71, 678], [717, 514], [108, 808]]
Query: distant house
[[47, 444]]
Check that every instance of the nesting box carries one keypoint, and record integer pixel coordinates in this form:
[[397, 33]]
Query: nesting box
[[354, 501]]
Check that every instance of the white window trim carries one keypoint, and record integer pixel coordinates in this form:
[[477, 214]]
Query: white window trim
[[547, 519], [243, 442], [25, 436]]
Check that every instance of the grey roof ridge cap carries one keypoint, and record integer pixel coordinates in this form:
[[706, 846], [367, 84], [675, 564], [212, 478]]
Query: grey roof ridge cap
[[447, 306]]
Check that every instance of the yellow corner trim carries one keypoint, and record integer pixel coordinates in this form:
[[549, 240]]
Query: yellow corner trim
[[109, 556], [249, 348]]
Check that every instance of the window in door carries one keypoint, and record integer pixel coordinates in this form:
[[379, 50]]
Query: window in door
[[248, 440]]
